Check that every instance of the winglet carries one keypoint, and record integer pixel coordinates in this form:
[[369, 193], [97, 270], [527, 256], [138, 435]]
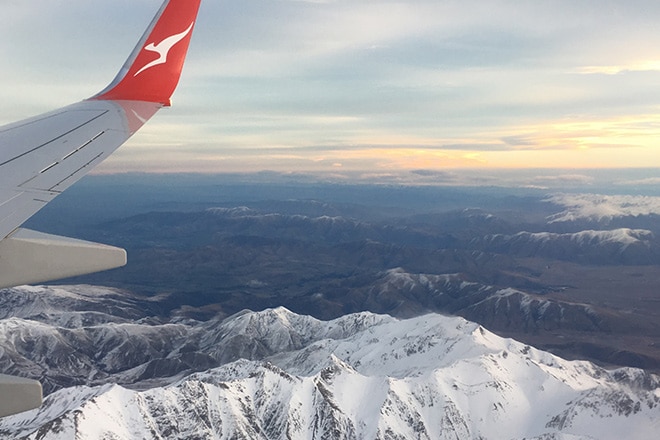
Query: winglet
[[152, 71]]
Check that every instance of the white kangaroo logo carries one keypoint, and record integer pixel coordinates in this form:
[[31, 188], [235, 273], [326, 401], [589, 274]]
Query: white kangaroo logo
[[163, 49]]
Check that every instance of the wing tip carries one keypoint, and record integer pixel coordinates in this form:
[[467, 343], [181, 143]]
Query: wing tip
[[152, 71]]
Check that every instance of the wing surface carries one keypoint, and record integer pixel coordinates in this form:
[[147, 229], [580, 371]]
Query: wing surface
[[42, 156]]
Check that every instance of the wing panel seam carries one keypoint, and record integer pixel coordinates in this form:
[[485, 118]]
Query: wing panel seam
[[75, 172], [54, 139]]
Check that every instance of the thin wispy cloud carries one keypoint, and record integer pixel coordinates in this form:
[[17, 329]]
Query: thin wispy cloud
[[643, 66]]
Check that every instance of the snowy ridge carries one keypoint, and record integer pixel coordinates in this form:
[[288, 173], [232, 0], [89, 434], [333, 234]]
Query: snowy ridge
[[398, 278], [602, 207], [622, 236], [314, 223], [145, 351], [58, 305], [616, 246], [490, 305], [364, 376], [245, 212], [66, 345]]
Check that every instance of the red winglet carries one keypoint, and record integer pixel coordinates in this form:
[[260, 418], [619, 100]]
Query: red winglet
[[153, 70]]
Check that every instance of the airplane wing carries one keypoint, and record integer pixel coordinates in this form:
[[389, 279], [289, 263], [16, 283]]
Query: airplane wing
[[42, 156]]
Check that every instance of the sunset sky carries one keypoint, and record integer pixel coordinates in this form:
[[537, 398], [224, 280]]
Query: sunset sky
[[370, 87]]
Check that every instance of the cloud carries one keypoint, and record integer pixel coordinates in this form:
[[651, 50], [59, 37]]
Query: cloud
[[582, 179], [602, 207], [420, 84], [471, 146], [651, 181], [644, 66]]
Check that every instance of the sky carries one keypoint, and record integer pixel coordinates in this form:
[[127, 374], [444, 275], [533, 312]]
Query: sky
[[371, 88]]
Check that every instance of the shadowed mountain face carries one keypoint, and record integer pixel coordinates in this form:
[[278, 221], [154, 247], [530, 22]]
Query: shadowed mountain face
[[573, 274]]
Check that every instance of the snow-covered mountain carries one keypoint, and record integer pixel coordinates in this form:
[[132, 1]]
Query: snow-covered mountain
[[622, 237], [503, 309], [361, 376], [616, 246], [602, 207]]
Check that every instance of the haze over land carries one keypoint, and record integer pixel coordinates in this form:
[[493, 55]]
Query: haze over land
[[569, 266], [555, 269]]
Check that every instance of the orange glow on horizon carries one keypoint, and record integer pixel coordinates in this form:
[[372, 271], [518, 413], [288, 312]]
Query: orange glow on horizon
[[618, 142]]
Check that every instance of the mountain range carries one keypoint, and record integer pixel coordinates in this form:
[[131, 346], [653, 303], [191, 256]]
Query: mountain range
[[321, 311], [558, 285], [275, 374]]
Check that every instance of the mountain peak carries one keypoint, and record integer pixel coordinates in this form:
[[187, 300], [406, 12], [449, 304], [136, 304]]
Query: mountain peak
[[361, 376]]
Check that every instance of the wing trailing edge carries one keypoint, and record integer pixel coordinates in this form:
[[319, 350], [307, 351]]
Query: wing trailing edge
[[28, 257], [18, 394]]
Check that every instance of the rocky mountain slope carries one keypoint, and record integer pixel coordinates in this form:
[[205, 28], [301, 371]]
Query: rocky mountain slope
[[75, 335], [280, 375]]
